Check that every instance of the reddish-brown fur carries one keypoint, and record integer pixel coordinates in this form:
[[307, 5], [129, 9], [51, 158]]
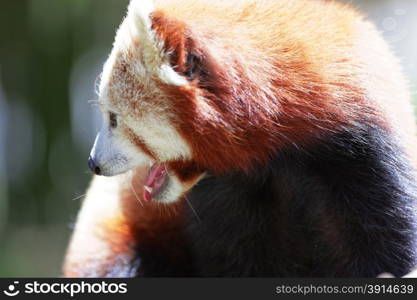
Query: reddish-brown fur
[[253, 102], [289, 80]]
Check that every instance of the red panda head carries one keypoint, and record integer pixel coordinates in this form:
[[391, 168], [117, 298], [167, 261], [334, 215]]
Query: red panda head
[[189, 96]]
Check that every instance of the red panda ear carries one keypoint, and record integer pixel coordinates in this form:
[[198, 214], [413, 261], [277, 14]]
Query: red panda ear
[[178, 43]]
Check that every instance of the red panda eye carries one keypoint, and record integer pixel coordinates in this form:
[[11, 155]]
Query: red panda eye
[[192, 66], [113, 120]]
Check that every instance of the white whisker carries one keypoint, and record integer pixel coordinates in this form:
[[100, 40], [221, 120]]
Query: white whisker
[[97, 84], [192, 208], [134, 191], [79, 197], [94, 103]]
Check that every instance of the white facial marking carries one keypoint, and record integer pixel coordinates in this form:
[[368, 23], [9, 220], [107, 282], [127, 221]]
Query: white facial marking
[[172, 192], [127, 88], [115, 155], [161, 137], [138, 47]]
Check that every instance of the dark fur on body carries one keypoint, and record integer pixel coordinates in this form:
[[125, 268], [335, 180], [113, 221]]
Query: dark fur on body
[[345, 208]]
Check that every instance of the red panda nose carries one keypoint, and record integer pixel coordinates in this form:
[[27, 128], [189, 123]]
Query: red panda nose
[[93, 167]]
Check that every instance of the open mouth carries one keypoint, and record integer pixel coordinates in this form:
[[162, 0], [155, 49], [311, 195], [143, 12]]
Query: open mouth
[[155, 181]]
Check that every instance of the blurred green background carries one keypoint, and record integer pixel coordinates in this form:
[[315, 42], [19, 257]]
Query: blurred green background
[[51, 53]]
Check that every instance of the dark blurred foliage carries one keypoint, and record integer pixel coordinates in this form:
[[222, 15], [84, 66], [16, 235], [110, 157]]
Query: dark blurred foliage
[[50, 55], [40, 42]]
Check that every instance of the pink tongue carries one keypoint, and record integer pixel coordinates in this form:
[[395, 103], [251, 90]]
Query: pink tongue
[[156, 178]]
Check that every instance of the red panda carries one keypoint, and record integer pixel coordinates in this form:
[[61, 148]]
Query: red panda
[[249, 138]]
